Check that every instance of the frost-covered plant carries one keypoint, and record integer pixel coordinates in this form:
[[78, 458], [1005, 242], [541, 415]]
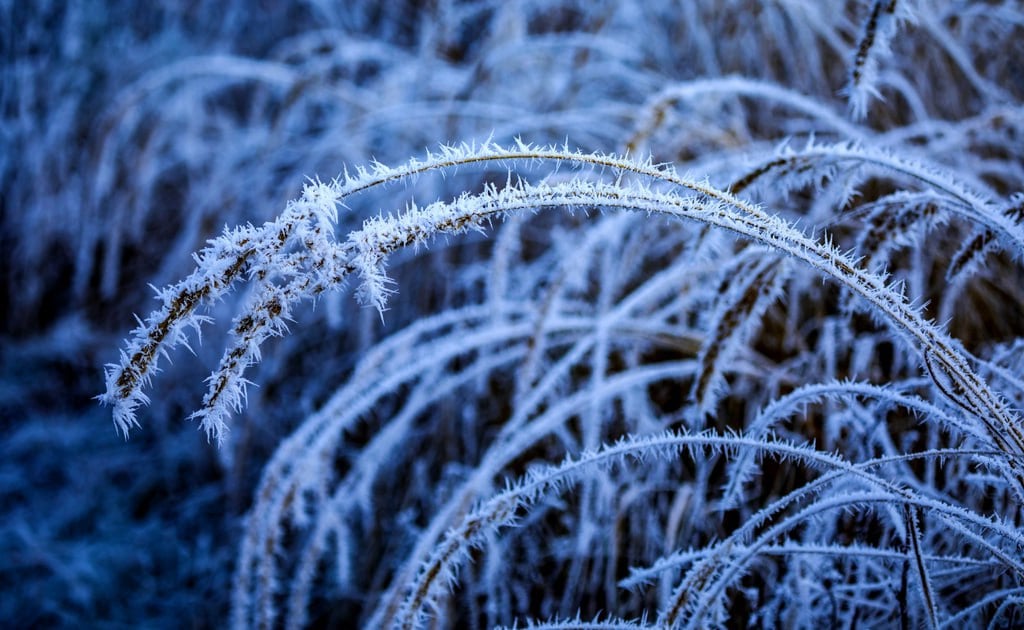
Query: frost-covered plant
[[611, 334], [690, 314], [286, 271]]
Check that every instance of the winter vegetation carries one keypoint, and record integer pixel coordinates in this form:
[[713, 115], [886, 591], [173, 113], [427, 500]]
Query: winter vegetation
[[517, 313]]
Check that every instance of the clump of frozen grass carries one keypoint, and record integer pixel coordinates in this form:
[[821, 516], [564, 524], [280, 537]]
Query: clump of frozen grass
[[760, 419], [297, 258]]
